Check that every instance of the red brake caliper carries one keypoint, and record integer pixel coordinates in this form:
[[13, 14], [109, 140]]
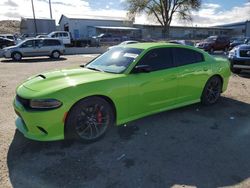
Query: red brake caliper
[[99, 116]]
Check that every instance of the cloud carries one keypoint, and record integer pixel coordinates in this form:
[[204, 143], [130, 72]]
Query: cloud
[[10, 3], [210, 14], [12, 14]]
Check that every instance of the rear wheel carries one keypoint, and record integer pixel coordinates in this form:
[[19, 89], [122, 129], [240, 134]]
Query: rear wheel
[[89, 119], [16, 56], [55, 55], [212, 91]]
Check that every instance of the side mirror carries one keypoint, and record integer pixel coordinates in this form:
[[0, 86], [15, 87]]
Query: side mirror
[[142, 69]]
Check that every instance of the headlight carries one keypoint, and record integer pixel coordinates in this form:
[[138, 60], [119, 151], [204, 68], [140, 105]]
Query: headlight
[[45, 103]]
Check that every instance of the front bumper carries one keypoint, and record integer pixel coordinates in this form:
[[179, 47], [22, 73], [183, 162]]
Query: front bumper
[[240, 63], [40, 125]]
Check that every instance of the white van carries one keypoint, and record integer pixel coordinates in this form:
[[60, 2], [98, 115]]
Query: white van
[[62, 35]]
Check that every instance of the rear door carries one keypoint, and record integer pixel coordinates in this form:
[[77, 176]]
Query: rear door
[[154, 90], [193, 73]]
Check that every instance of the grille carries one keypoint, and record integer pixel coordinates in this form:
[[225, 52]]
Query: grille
[[24, 102], [244, 53]]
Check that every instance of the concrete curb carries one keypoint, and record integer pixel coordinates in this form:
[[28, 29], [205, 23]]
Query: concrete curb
[[79, 50]]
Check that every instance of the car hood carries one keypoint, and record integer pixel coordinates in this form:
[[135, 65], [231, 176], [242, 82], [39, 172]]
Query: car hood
[[60, 79], [10, 47]]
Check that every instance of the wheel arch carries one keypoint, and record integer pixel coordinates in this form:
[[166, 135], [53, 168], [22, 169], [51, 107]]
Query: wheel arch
[[106, 98]]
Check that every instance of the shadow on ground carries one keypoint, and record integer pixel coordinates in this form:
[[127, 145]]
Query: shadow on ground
[[34, 60], [195, 145]]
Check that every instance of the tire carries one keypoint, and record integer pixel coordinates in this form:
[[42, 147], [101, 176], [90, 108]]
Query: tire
[[55, 54], [16, 56], [89, 119], [211, 50], [212, 91]]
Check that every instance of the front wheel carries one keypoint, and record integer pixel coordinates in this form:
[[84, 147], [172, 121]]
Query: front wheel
[[16, 56], [89, 119], [55, 55], [212, 91]]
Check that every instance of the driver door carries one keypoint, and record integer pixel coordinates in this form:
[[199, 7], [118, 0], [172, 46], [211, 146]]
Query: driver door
[[155, 90]]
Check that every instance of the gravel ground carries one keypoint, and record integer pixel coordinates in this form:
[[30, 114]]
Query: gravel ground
[[193, 146]]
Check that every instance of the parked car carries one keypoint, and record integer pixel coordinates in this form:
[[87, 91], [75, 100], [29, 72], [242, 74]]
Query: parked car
[[4, 42], [121, 85], [62, 35], [8, 36], [35, 47], [183, 42], [238, 42], [124, 43], [239, 58], [214, 43], [107, 37]]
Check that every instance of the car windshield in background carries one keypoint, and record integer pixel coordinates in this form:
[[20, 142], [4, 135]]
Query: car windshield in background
[[210, 39], [115, 60]]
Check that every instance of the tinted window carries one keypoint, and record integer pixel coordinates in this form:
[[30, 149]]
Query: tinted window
[[51, 43], [183, 56], [65, 34], [38, 43], [157, 59], [27, 44]]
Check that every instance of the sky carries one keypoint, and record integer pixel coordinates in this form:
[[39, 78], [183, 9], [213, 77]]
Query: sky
[[211, 13]]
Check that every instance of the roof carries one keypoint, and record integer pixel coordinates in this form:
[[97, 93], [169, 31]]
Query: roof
[[233, 24], [116, 28], [186, 27], [92, 17], [146, 45]]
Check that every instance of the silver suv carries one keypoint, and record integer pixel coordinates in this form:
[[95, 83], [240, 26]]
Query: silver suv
[[35, 47]]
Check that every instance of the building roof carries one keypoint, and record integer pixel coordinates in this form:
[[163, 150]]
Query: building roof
[[185, 27], [233, 24], [116, 28], [92, 17]]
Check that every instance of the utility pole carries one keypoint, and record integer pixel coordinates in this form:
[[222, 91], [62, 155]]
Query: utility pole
[[50, 9], [34, 17]]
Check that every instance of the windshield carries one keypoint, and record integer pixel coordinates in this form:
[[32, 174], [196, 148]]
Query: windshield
[[211, 39], [115, 60]]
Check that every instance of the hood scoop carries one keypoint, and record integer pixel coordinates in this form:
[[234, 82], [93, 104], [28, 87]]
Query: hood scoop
[[42, 76]]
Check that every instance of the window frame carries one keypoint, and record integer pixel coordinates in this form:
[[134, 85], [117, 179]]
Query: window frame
[[176, 64], [149, 51]]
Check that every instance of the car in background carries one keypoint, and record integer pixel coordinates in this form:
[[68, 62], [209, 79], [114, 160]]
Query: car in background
[[238, 42], [214, 43], [8, 36], [124, 43], [239, 58], [41, 36], [183, 42], [5, 42], [64, 36], [123, 84], [35, 47]]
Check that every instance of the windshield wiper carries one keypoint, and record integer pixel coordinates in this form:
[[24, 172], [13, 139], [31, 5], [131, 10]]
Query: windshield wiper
[[96, 69]]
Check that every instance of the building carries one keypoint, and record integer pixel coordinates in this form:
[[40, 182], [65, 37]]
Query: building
[[84, 28], [239, 29], [43, 26], [181, 32]]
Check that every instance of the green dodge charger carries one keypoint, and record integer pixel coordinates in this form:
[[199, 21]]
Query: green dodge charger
[[121, 85]]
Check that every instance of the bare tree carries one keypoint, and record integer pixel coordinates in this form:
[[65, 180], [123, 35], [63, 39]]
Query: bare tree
[[163, 10]]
